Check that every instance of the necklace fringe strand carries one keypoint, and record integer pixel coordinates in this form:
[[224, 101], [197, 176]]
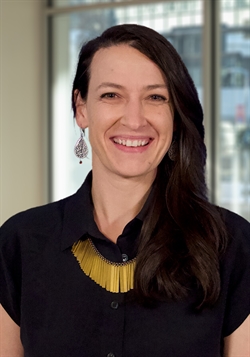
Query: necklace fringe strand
[[114, 277]]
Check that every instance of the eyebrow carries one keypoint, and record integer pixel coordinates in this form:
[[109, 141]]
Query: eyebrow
[[109, 84], [155, 86], [118, 86]]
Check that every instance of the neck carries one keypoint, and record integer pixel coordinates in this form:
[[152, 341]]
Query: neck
[[118, 200]]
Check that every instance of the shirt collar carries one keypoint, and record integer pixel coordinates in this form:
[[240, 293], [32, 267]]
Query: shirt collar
[[78, 214], [78, 220]]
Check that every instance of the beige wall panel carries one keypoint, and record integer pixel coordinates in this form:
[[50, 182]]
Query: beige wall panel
[[22, 116]]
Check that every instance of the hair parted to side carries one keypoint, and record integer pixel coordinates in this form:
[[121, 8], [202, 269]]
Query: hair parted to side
[[183, 235]]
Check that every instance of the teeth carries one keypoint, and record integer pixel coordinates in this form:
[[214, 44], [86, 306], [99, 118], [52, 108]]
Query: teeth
[[131, 143]]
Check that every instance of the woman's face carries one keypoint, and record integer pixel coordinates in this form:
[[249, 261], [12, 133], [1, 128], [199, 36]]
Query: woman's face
[[127, 112]]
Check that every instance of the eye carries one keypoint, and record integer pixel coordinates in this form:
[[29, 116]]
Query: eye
[[157, 97], [109, 95]]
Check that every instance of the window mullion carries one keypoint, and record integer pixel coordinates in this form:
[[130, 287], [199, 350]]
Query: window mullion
[[211, 85]]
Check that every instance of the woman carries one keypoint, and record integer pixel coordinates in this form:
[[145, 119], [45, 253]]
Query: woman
[[137, 263]]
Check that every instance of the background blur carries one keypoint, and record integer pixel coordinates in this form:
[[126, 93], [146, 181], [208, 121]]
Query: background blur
[[40, 41]]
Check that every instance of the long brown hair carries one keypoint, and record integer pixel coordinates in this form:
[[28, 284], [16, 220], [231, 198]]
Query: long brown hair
[[183, 234]]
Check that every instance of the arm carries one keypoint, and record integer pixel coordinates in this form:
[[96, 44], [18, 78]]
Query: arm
[[10, 343], [238, 343]]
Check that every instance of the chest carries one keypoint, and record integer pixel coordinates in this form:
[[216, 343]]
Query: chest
[[76, 317]]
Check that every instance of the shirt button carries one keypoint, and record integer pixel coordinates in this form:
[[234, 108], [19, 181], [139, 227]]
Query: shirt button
[[124, 257], [110, 354], [114, 305]]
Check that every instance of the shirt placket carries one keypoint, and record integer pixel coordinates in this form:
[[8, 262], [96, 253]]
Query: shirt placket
[[114, 321]]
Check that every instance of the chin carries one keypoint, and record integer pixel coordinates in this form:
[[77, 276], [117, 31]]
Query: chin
[[135, 173]]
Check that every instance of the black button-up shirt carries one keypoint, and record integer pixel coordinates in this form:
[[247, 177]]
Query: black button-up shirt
[[63, 313]]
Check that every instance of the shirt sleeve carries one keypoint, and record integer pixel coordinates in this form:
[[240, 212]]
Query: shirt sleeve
[[236, 273], [10, 269]]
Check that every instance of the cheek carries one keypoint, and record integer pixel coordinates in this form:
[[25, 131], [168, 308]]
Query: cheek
[[103, 117], [164, 118], [167, 129]]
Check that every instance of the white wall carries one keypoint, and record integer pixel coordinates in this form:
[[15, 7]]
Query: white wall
[[23, 119]]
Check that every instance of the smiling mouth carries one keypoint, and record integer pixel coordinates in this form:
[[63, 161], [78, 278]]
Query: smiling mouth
[[132, 143]]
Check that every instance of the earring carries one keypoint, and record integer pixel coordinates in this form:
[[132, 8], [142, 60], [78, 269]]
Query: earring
[[81, 149], [172, 151]]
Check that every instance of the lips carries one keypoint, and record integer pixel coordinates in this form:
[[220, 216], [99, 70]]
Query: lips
[[131, 142]]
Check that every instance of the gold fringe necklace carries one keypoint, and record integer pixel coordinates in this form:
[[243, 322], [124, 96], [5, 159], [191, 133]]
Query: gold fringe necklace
[[114, 277]]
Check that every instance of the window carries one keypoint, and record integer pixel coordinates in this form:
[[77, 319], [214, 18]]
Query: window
[[76, 21], [233, 159]]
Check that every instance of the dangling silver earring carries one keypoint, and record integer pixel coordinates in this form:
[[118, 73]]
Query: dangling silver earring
[[81, 149], [172, 151]]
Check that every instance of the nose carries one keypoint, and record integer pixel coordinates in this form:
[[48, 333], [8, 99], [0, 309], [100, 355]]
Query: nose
[[133, 115]]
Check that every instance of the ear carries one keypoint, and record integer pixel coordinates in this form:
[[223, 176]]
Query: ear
[[81, 111]]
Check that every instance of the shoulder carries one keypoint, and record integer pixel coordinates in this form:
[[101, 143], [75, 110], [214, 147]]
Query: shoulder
[[238, 244], [50, 218], [58, 224], [43, 219], [238, 229], [234, 221]]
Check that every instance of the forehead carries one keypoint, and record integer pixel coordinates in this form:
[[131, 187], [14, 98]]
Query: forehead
[[124, 63]]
